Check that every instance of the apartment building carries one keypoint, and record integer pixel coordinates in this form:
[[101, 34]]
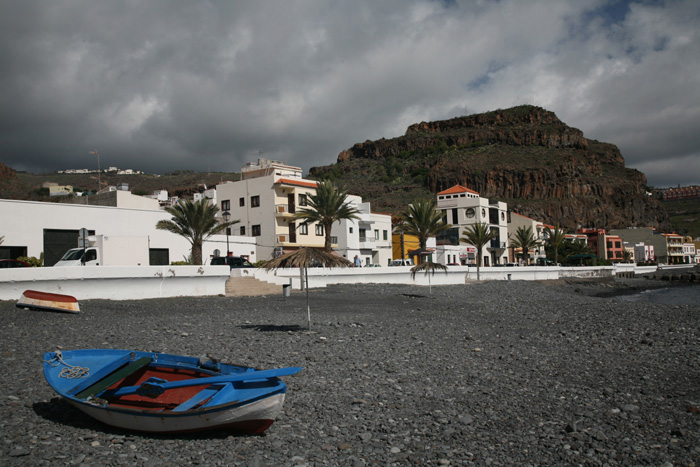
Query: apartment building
[[538, 231], [462, 207], [644, 253], [605, 245], [368, 237], [268, 195], [668, 248]]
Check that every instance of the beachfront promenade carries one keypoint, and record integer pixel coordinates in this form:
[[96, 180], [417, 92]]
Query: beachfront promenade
[[141, 282]]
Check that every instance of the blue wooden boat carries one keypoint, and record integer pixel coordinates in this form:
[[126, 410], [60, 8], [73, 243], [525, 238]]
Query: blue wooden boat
[[164, 393]]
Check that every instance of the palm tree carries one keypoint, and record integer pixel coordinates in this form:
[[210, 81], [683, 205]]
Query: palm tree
[[327, 206], [422, 220], [577, 248], [478, 235], [556, 239], [525, 239], [196, 221]]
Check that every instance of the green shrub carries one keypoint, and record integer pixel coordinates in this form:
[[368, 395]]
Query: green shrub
[[33, 261]]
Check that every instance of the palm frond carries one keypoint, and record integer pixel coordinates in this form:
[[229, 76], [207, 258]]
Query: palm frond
[[306, 257], [427, 267]]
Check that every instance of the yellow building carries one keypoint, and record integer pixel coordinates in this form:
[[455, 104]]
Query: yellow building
[[399, 251]]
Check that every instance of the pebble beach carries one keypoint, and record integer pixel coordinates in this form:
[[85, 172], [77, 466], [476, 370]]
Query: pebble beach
[[488, 373]]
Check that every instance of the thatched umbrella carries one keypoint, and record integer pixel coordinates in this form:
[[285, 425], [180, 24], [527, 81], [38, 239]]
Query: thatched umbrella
[[429, 267], [304, 258]]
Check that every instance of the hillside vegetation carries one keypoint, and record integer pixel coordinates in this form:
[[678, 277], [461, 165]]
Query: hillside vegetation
[[524, 156]]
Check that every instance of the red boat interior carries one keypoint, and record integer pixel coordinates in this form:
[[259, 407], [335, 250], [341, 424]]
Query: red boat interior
[[166, 401]]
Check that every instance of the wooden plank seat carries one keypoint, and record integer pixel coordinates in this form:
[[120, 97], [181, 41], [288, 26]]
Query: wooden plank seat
[[102, 381], [201, 396]]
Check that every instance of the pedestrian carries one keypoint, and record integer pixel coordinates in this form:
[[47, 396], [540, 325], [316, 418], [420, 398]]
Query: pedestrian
[[358, 261]]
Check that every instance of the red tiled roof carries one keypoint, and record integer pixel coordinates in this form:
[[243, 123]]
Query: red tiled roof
[[457, 189], [287, 181]]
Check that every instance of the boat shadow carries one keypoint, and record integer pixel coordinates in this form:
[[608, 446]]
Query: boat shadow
[[273, 327], [58, 411]]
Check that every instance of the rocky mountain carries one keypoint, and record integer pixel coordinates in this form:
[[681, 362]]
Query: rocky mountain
[[524, 156]]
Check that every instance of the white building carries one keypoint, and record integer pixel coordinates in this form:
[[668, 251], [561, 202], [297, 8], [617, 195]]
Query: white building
[[643, 253], [368, 237], [52, 229], [268, 195], [463, 207], [689, 254]]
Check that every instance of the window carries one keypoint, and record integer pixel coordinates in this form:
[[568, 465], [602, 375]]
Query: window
[[319, 230], [304, 229], [470, 213], [386, 234], [376, 234], [241, 201], [256, 230], [243, 230], [255, 201], [302, 200], [226, 205], [350, 229]]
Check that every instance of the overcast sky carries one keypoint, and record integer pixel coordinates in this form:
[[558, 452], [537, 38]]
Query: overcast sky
[[161, 85]]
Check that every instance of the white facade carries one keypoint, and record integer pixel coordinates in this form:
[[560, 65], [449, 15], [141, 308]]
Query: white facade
[[463, 207], [689, 251], [643, 253], [34, 223], [268, 195], [368, 237]]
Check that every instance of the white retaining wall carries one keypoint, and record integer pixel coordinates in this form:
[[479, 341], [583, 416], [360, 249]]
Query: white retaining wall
[[455, 275], [115, 282], [127, 282]]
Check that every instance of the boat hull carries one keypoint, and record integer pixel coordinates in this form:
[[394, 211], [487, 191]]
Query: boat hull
[[198, 394], [253, 418], [45, 301]]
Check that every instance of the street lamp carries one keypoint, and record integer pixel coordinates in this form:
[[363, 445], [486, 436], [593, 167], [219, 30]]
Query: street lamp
[[227, 217]]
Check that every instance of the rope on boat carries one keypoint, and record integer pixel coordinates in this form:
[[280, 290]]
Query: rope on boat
[[71, 371]]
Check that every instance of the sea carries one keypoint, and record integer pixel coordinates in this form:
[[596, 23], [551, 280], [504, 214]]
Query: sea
[[672, 295]]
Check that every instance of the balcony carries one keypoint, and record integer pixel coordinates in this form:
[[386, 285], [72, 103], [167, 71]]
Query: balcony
[[285, 239], [447, 203], [498, 245], [367, 242], [282, 210]]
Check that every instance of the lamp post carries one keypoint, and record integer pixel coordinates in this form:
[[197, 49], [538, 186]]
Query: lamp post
[[227, 216], [99, 171]]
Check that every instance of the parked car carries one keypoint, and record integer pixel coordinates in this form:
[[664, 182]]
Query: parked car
[[232, 261], [13, 263], [401, 262]]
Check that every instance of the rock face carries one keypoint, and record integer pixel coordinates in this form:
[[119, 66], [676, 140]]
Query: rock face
[[525, 156], [6, 173]]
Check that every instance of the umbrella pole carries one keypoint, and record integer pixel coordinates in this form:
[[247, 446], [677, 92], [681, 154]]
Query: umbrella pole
[[308, 308]]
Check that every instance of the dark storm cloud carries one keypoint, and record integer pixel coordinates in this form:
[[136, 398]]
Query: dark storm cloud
[[165, 85]]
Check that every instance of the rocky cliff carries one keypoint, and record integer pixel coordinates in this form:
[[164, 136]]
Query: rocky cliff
[[525, 156], [6, 173]]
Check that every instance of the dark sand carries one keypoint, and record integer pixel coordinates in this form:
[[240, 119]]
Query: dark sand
[[491, 373]]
